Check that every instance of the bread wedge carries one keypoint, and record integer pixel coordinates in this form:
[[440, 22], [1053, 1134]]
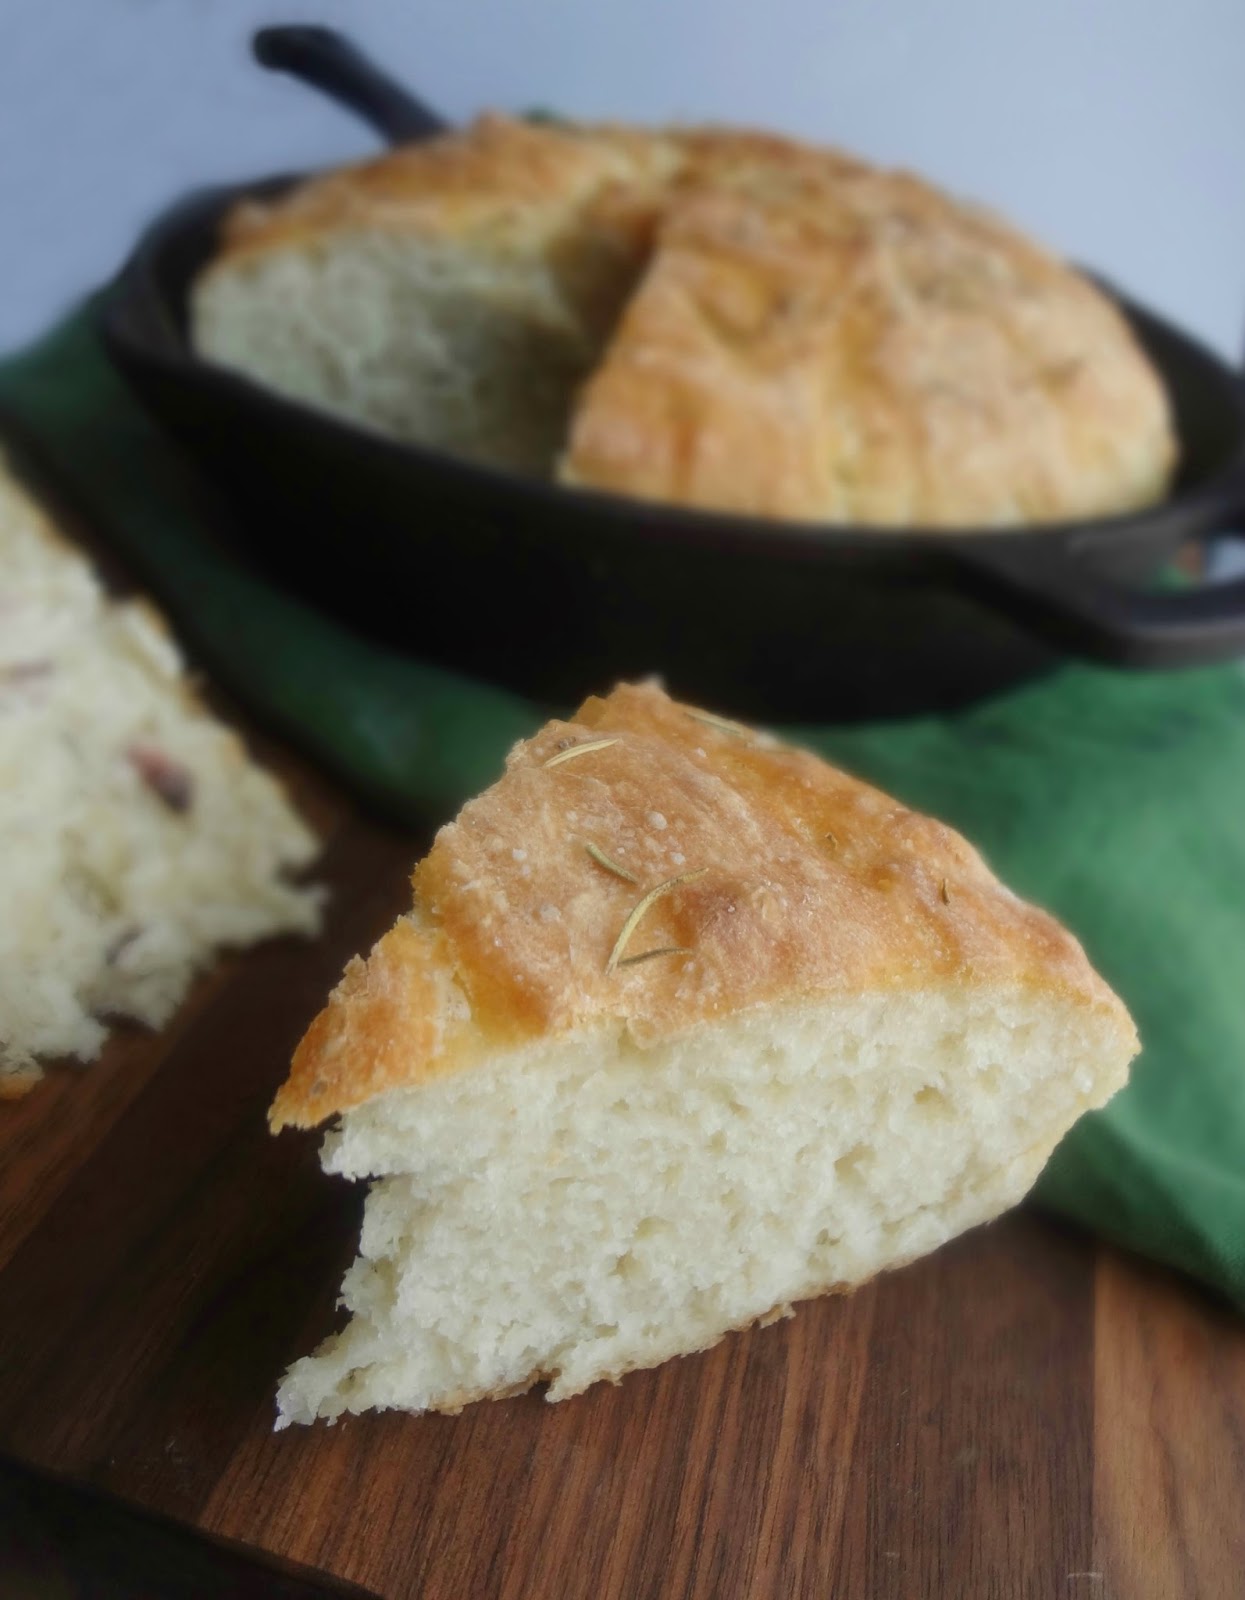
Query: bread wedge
[[137, 838], [684, 1026], [707, 317]]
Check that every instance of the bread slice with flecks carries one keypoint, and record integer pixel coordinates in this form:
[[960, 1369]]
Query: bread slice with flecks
[[684, 1026], [137, 836]]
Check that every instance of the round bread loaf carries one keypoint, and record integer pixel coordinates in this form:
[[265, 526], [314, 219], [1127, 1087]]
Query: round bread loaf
[[711, 318]]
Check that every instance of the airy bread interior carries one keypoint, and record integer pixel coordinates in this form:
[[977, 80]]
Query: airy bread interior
[[136, 836], [427, 340], [579, 1207]]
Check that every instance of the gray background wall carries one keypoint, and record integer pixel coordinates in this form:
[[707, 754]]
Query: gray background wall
[[1114, 129]]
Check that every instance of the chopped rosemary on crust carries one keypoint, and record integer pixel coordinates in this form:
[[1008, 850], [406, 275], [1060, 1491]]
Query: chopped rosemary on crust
[[642, 907], [578, 750], [602, 860], [651, 955], [723, 724]]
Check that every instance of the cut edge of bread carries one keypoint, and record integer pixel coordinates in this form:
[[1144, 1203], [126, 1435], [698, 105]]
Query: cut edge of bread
[[141, 839], [575, 1210]]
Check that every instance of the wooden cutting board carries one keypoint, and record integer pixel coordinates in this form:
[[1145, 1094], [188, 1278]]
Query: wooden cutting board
[[1024, 1414]]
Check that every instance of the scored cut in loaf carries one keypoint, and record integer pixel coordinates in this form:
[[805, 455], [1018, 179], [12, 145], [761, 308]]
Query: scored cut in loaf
[[708, 317], [137, 838], [684, 1026]]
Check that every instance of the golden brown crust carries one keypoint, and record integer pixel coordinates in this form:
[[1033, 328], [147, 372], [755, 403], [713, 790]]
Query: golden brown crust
[[811, 884], [812, 338], [384, 1014], [849, 345], [502, 179]]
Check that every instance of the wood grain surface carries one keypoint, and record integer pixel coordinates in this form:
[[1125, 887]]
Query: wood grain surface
[[1023, 1414]]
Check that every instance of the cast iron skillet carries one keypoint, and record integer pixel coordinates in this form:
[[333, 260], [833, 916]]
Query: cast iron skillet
[[556, 591]]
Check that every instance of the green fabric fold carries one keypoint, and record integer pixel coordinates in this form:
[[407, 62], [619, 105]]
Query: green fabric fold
[[1116, 800]]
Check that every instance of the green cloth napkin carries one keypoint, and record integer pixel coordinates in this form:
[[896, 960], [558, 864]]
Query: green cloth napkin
[[1116, 800]]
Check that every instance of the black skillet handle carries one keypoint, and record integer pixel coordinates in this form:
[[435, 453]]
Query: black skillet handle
[[328, 61], [1056, 590]]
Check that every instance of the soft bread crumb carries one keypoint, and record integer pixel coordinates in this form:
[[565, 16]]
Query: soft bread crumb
[[580, 1209], [136, 837], [431, 344]]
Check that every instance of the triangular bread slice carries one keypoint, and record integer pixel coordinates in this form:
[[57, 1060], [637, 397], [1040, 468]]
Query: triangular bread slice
[[685, 1026], [138, 838]]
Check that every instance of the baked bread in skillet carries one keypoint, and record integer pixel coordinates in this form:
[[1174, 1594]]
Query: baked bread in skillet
[[711, 318], [684, 1026]]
